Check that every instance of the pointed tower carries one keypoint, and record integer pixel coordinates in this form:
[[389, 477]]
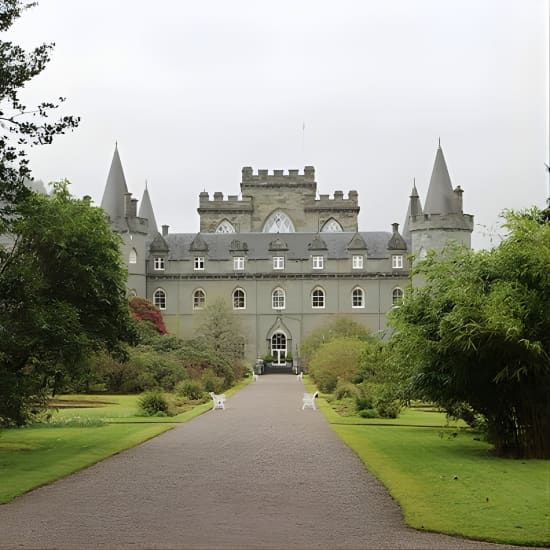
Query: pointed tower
[[414, 209], [442, 219], [114, 201], [146, 211]]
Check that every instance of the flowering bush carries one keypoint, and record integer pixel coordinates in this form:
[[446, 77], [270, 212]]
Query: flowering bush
[[144, 310]]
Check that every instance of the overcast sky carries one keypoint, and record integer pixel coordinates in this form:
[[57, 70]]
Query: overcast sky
[[194, 91]]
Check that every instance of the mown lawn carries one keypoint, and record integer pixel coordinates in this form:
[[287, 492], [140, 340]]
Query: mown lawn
[[31, 457], [447, 481], [37, 455]]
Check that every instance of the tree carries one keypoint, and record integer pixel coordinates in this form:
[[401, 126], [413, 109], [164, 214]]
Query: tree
[[144, 310], [63, 289], [337, 327], [477, 335], [21, 126], [221, 332]]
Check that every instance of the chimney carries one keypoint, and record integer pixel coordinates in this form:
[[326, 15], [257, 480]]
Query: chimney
[[133, 208], [165, 230], [458, 194], [127, 204], [395, 228]]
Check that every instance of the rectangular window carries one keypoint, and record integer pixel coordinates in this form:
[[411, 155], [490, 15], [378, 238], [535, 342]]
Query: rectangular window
[[397, 261], [357, 262], [159, 263], [318, 262], [278, 262], [199, 263], [238, 263]]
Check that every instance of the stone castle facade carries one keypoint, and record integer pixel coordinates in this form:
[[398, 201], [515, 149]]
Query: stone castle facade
[[285, 258]]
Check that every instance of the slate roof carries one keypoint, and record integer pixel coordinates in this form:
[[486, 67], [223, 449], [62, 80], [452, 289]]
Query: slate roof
[[115, 189], [219, 244], [440, 198]]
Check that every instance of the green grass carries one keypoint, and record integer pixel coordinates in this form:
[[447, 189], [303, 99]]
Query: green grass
[[37, 455], [31, 457], [495, 499]]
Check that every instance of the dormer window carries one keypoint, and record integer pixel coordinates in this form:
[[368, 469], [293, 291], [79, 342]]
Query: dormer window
[[357, 262], [318, 262], [278, 262], [158, 263], [397, 261], [238, 263], [198, 264]]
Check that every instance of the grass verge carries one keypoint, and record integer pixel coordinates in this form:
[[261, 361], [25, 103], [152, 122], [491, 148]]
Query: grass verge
[[34, 456], [447, 481]]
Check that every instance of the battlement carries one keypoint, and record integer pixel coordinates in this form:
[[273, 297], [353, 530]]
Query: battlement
[[218, 202], [278, 177], [335, 203], [454, 221]]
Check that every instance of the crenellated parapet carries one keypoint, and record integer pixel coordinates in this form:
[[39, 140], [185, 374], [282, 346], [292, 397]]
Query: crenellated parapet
[[336, 203], [278, 178]]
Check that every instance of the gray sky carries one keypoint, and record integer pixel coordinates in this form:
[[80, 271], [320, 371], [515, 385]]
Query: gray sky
[[193, 91]]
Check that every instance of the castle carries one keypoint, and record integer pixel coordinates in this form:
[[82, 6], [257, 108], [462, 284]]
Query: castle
[[283, 257]]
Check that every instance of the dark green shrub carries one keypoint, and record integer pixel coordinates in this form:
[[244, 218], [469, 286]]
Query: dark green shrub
[[388, 409], [368, 413], [345, 389], [192, 389], [213, 383], [154, 402]]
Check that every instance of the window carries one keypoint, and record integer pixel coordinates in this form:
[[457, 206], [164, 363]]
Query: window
[[397, 261], [318, 298], [159, 298], [239, 299], [318, 262], [133, 256], [199, 263], [238, 263], [397, 296], [278, 299], [199, 298], [358, 298], [159, 263], [331, 226], [225, 227], [278, 262], [278, 222], [357, 262]]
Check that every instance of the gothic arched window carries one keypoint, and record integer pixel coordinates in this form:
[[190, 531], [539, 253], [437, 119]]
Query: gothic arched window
[[397, 296], [133, 256], [358, 297], [225, 227], [199, 298], [318, 298], [239, 299], [159, 298], [331, 226], [278, 299], [278, 222]]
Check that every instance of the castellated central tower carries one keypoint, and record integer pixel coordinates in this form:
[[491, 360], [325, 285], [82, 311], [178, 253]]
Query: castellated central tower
[[442, 220]]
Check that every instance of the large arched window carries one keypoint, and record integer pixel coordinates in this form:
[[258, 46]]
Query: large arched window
[[278, 222], [331, 226], [199, 298], [132, 258], [278, 299], [239, 299], [225, 227], [397, 296], [318, 298], [357, 298], [159, 298]]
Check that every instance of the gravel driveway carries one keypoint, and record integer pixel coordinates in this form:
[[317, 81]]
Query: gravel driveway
[[262, 473]]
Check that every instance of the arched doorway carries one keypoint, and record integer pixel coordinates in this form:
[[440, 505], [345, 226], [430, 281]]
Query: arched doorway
[[279, 348]]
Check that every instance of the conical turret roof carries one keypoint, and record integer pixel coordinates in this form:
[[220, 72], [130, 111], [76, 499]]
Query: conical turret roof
[[440, 198], [414, 209], [146, 211], [115, 188]]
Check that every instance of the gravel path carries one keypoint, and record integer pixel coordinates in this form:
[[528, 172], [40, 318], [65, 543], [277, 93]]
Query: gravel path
[[262, 473]]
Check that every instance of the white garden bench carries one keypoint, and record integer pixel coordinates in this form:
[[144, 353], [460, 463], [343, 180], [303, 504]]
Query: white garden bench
[[309, 400], [218, 401]]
